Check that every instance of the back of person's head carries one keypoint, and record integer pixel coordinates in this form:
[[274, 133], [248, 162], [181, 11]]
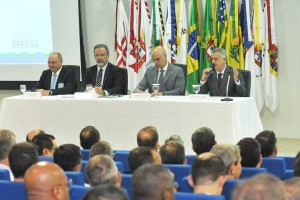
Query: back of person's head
[[292, 188], [21, 157], [140, 156], [45, 143], [7, 140], [203, 139], [101, 148], [297, 165], [250, 152], [105, 192], [101, 169], [89, 136], [152, 181], [68, 157], [172, 153], [33, 133], [260, 187], [174, 138], [147, 137], [267, 141]]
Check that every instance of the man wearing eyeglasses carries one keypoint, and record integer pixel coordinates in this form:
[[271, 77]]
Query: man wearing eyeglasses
[[57, 79]]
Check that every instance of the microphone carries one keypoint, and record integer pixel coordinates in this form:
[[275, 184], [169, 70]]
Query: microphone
[[211, 71], [227, 85]]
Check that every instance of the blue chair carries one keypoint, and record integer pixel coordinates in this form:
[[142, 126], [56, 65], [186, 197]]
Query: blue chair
[[85, 154], [275, 166], [77, 177], [120, 167], [179, 171], [4, 175], [248, 172], [12, 190], [126, 184], [46, 158], [288, 174], [83, 164], [190, 159], [122, 156], [77, 192], [185, 186], [228, 187], [191, 196], [289, 161]]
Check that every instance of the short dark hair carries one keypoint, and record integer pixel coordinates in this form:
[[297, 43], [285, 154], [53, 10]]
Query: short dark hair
[[107, 192], [67, 156], [43, 141], [98, 46], [21, 157], [89, 135], [203, 139], [250, 152], [140, 156], [147, 141], [297, 165], [267, 141], [101, 147], [172, 153]]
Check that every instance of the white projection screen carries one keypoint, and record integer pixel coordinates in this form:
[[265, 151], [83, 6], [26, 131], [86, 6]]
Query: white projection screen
[[30, 30]]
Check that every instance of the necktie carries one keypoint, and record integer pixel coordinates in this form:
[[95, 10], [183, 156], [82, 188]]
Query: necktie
[[161, 80], [53, 82], [99, 78], [219, 79]]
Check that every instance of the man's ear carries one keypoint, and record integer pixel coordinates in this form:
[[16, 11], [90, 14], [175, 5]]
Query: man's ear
[[190, 181], [119, 179], [45, 152]]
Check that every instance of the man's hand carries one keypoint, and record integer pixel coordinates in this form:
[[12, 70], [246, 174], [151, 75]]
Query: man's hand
[[204, 74], [99, 91], [43, 92], [153, 94], [235, 74]]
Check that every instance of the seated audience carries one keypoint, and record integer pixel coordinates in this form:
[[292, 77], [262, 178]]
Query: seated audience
[[152, 181], [142, 155], [101, 148], [89, 135], [105, 192], [174, 138], [33, 133], [267, 141], [45, 180], [101, 170], [21, 157], [250, 152], [208, 174], [68, 157], [148, 137], [260, 187], [203, 139], [230, 154], [173, 153], [7, 140], [45, 143], [292, 188]]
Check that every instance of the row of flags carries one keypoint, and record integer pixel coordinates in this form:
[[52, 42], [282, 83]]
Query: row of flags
[[248, 35]]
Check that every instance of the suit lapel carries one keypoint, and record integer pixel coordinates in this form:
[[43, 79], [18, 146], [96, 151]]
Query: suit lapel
[[106, 74], [168, 72], [224, 80], [48, 81], [155, 72], [59, 78], [94, 74]]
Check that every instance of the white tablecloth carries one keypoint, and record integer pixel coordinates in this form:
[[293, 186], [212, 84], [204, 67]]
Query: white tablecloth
[[119, 119]]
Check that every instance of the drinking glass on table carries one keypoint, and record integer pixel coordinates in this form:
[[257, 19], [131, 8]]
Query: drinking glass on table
[[88, 87], [196, 88], [23, 88]]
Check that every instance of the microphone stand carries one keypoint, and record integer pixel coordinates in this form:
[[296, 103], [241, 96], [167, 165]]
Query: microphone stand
[[228, 80]]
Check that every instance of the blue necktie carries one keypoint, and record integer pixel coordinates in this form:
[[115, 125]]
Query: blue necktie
[[53, 82], [161, 80]]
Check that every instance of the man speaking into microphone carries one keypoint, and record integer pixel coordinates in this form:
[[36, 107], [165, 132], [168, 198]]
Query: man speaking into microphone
[[221, 79]]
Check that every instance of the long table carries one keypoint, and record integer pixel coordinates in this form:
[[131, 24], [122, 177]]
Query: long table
[[119, 119]]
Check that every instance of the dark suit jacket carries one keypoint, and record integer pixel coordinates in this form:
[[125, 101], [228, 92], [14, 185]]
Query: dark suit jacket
[[65, 76], [113, 81], [211, 85]]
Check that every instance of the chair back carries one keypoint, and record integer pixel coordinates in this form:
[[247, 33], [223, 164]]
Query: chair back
[[122, 156], [289, 173], [275, 166], [77, 177], [12, 190], [46, 158], [85, 153], [4, 175], [76, 70], [125, 77], [120, 167], [185, 186], [184, 67], [179, 171], [190, 159], [289, 161], [126, 184], [248, 172], [228, 188], [192, 196], [77, 192], [247, 78], [83, 164]]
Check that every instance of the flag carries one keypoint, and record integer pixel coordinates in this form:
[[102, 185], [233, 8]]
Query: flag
[[270, 66], [182, 31], [121, 34], [193, 48], [221, 24], [234, 44]]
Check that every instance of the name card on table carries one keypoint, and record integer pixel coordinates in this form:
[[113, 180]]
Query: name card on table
[[85, 95], [140, 95], [32, 95], [198, 96]]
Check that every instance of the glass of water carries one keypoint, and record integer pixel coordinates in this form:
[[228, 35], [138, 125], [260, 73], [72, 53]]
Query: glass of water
[[155, 87], [23, 88], [196, 88], [88, 87]]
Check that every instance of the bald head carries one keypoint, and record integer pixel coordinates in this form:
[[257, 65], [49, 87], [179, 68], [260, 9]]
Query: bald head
[[33, 133], [45, 180], [159, 57]]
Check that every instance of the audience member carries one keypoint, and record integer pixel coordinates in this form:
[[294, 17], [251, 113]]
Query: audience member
[[101, 148], [68, 157], [173, 153], [250, 152], [21, 157], [203, 139], [57, 79], [105, 77], [292, 188], [174, 138], [105, 192], [7, 140], [208, 174], [33, 133], [267, 141], [230, 154], [45, 143], [170, 77], [260, 187], [142, 155], [151, 182], [297, 165], [148, 137], [45, 180], [101, 170], [89, 135]]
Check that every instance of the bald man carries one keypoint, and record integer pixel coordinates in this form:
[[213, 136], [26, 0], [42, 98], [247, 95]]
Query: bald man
[[33, 133], [45, 180], [170, 77]]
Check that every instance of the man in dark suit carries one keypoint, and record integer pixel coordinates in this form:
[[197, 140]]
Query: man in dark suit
[[172, 78], [57, 79], [105, 77], [215, 80]]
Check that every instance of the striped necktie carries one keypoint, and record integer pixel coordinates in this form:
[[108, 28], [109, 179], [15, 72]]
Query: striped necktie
[[99, 78]]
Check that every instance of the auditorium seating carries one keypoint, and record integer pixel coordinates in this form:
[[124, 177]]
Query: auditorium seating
[[85, 154], [289, 161], [275, 166], [190, 159], [76, 177], [122, 156], [228, 188], [4, 174], [288, 174], [120, 166], [46, 158], [126, 183], [248, 172], [83, 164], [191, 196], [12, 190], [77, 192], [185, 186], [179, 171]]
